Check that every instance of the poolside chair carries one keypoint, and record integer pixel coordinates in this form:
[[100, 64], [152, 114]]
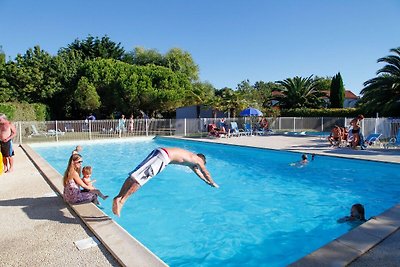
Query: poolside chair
[[35, 132], [394, 142], [235, 131], [264, 131], [247, 129], [53, 132], [68, 128], [372, 139]]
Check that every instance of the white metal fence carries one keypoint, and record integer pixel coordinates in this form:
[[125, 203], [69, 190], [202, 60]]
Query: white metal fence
[[44, 131]]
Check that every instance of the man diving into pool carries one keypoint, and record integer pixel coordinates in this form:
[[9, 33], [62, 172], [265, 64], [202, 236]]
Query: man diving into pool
[[153, 164]]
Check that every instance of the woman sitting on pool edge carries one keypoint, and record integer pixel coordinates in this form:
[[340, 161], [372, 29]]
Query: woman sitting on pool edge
[[357, 214], [72, 181]]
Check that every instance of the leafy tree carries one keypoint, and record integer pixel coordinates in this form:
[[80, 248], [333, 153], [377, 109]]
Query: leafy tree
[[382, 93], [67, 65], [93, 47], [264, 91], [143, 57], [337, 92], [323, 83], [228, 100], [248, 92], [33, 77], [86, 97], [129, 88], [180, 61], [265, 96], [5, 91], [2, 56], [299, 92], [199, 93]]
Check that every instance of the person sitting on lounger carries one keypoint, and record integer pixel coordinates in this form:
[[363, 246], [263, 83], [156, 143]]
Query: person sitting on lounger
[[264, 124], [214, 131], [335, 138], [153, 164]]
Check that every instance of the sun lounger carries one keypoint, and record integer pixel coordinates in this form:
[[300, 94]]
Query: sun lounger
[[35, 132], [372, 139], [394, 142], [235, 131], [247, 129], [53, 132]]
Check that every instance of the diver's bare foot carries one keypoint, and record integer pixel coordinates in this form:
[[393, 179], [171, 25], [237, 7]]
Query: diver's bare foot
[[117, 206]]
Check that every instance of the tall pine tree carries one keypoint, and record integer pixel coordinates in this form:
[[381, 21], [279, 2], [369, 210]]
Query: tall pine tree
[[337, 92]]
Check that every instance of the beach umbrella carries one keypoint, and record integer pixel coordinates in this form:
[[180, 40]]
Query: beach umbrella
[[250, 112]]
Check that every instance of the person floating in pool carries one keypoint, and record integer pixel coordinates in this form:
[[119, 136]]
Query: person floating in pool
[[357, 214], [153, 164], [302, 162]]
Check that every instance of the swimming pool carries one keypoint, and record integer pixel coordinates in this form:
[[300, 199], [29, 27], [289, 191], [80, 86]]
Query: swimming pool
[[265, 213]]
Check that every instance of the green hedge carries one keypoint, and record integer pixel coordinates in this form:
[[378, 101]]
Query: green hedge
[[25, 111], [323, 112]]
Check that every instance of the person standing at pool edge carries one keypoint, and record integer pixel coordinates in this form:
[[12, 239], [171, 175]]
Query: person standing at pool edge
[[153, 164], [7, 133]]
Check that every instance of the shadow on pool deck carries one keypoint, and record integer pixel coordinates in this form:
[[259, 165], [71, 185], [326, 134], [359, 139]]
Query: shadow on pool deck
[[35, 208]]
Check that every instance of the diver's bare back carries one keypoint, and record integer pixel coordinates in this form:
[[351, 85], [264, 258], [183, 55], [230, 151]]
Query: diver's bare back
[[182, 157]]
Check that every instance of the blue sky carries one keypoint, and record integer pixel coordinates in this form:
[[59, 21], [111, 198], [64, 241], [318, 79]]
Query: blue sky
[[230, 40]]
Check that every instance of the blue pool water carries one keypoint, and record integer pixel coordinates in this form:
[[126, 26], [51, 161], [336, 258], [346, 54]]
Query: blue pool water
[[265, 213]]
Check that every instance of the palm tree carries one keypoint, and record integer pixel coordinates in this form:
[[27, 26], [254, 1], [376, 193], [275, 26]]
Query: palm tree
[[382, 93], [299, 92], [234, 102]]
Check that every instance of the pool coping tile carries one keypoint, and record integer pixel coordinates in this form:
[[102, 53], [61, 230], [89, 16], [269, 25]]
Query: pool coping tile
[[332, 254]]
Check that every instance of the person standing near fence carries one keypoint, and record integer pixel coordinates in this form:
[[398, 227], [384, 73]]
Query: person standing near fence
[[7, 133], [358, 138], [131, 124]]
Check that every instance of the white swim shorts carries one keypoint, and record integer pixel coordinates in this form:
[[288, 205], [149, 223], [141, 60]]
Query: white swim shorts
[[152, 165]]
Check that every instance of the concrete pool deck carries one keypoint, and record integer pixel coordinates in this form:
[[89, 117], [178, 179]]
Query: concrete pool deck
[[39, 229]]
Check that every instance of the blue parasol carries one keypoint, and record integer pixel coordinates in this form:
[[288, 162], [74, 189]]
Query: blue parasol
[[250, 112]]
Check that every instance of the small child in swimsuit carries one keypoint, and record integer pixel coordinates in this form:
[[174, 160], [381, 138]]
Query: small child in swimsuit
[[357, 214], [87, 173]]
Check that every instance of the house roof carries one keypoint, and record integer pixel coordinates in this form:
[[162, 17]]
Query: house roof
[[347, 94]]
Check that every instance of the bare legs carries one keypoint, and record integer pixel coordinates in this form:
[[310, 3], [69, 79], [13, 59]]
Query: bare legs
[[8, 163], [356, 140], [11, 163], [129, 187], [99, 193]]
